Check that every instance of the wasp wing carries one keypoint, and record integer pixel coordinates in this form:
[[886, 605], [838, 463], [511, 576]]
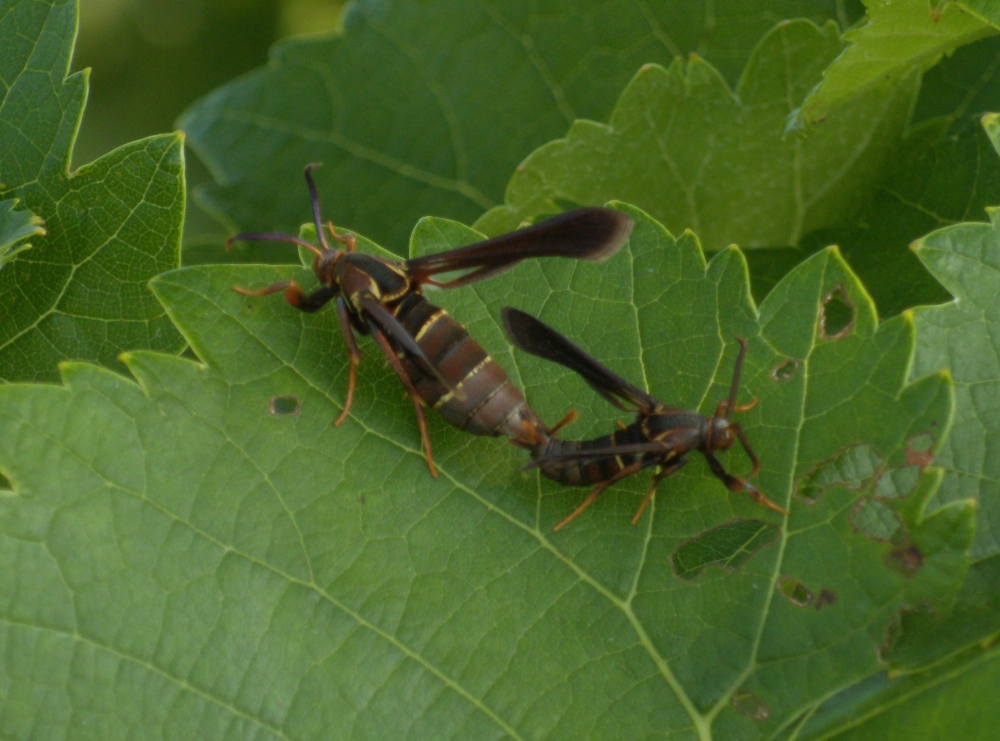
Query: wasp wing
[[535, 337], [585, 234]]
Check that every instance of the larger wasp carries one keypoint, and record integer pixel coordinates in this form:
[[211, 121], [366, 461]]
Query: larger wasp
[[660, 435], [437, 361]]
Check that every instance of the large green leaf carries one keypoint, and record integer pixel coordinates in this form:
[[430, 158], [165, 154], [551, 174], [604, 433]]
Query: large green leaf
[[15, 227], [427, 106], [698, 156], [80, 292], [963, 336], [208, 556], [897, 36]]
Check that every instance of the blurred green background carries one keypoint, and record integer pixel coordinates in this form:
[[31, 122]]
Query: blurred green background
[[150, 59]]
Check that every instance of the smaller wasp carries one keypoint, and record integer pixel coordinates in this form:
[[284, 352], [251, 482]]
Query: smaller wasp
[[660, 435]]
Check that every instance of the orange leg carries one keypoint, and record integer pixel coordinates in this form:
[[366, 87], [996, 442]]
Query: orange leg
[[721, 409], [346, 239], [570, 418], [353, 356], [592, 497], [308, 302], [418, 405], [737, 485], [673, 468]]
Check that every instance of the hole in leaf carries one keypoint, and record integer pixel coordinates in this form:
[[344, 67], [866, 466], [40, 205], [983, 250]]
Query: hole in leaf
[[836, 318], [748, 704], [876, 520], [907, 559], [785, 370], [285, 406], [825, 597], [728, 546], [851, 469], [897, 482], [794, 591]]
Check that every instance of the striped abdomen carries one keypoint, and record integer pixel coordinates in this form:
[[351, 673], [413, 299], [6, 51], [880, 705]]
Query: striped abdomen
[[588, 471], [487, 403]]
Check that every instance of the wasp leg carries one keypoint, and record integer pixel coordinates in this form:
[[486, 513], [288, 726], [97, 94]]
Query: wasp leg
[[623, 473], [736, 485], [722, 410], [418, 405], [353, 356], [307, 302], [665, 471], [349, 240], [569, 419]]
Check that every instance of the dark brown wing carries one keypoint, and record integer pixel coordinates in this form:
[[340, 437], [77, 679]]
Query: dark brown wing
[[536, 337], [586, 234]]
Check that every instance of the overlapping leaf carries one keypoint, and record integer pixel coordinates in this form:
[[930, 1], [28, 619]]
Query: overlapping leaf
[[427, 107], [938, 703], [962, 336], [895, 37], [15, 227], [945, 171], [208, 555], [696, 155], [80, 292]]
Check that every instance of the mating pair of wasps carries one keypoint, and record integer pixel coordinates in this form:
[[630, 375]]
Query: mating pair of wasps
[[442, 367]]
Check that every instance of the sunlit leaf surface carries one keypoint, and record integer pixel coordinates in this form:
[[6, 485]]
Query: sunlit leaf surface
[[80, 292]]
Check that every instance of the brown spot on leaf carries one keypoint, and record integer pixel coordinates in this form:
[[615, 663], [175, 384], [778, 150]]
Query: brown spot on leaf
[[748, 704], [785, 370], [836, 317], [825, 597], [285, 406], [906, 559], [920, 450]]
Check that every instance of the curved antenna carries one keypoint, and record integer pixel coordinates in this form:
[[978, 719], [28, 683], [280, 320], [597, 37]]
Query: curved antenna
[[314, 200], [735, 388]]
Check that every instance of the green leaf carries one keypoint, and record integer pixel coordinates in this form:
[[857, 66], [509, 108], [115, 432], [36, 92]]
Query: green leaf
[[946, 171], [208, 556], [897, 36], [80, 292], [427, 107], [15, 227], [696, 155], [934, 704], [962, 336]]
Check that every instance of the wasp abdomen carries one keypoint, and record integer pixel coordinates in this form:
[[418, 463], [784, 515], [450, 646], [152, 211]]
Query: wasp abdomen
[[482, 400], [557, 462]]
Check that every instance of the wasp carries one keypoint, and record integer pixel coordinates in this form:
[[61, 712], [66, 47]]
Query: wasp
[[437, 361], [660, 436]]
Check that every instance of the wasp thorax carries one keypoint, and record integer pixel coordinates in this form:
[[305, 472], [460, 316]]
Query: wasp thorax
[[720, 433]]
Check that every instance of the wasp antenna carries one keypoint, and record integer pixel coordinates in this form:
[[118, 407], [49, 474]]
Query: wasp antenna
[[735, 388], [314, 200]]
